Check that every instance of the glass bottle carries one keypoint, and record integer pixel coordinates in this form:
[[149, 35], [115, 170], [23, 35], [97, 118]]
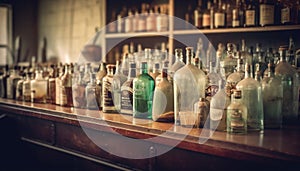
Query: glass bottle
[[201, 111], [143, 87], [19, 88], [107, 99], [219, 16], [178, 62], [27, 87], [290, 82], [100, 74], [38, 88], [272, 99], [234, 78], [118, 80], [162, 20], [87, 73], [151, 21], [78, 91], [212, 82], [58, 85], [127, 92], [112, 26], [66, 98], [287, 12], [229, 8], [252, 98], [237, 114], [163, 101], [3, 82], [251, 14], [236, 14], [128, 22], [12, 81], [266, 12], [198, 15], [52, 85], [92, 93], [217, 112], [155, 72], [229, 64], [206, 16], [189, 86]]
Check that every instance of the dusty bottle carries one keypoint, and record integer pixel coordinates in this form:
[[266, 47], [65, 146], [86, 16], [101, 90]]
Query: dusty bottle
[[52, 86], [155, 72], [27, 88], [201, 111], [217, 112], [38, 88], [3, 82], [163, 101], [143, 88], [229, 63], [178, 62], [12, 81], [272, 99], [78, 91], [92, 93], [237, 115], [189, 86], [234, 78], [127, 91], [118, 80], [66, 98], [290, 82], [107, 99], [252, 98]]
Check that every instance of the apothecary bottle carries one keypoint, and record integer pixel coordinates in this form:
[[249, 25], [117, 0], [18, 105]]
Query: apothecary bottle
[[229, 64], [272, 99], [266, 12], [234, 78], [178, 62], [107, 99], [52, 85], [92, 93], [189, 86], [212, 82], [38, 88], [127, 91], [3, 81], [253, 100], [11, 82], [19, 88], [118, 80], [290, 83], [66, 98], [217, 112], [237, 114], [163, 101], [78, 91], [201, 111], [143, 88], [58, 86], [27, 87]]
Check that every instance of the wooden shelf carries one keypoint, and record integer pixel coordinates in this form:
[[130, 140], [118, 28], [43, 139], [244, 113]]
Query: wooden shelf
[[137, 34]]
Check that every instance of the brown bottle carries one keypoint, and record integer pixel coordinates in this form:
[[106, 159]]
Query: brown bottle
[[66, 98]]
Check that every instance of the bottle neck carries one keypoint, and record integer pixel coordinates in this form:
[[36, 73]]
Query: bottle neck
[[110, 72], [132, 73]]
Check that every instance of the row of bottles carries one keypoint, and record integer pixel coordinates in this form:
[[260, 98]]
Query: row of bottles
[[233, 94], [148, 18], [242, 13]]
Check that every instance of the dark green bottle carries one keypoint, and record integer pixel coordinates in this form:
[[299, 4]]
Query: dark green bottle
[[143, 88]]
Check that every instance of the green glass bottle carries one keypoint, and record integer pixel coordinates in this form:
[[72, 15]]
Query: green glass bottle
[[143, 88]]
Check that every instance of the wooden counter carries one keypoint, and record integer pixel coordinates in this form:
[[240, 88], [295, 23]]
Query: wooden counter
[[80, 132]]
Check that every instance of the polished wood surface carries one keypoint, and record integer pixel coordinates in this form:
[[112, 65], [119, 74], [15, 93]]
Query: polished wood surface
[[278, 144]]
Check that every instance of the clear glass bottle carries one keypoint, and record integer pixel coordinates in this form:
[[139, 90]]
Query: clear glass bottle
[[128, 22], [92, 93], [272, 99], [151, 21], [234, 78], [12, 81], [107, 99], [217, 112], [189, 86], [87, 73], [143, 88], [178, 62], [290, 82], [39, 88], [27, 87], [66, 98], [19, 88], [3, 82], [237, 114], [78, 91], [127, 92], [163, 101], [201, 111], [52, 85], [252, 98], [212, 82], [118, 80], [61, 70], [229, 64]]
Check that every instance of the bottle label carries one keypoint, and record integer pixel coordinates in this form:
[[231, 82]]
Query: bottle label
[[66, 96], [250, 17], [219, 19], [26, 92], [266, 14], [107, 95], [126, 100], [235, 23], [211, 90], [235, 119], [206, 20], [285, 15]]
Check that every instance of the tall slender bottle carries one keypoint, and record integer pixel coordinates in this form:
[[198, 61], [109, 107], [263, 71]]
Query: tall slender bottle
[[252, 98], [118, 80], [66, 98], [234, 78], [127, 91], [189, 86], [178, 62], [92, 92], [107, 98], [237, 114], [39, 88], [27, 88], [229, 64], [290, 82], [52, 85], [143, 88], [78, 91], [12, 81], [163, 101], [212, 82], [272, 99]]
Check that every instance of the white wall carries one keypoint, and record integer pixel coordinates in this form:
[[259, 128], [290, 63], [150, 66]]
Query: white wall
[[69, 25]]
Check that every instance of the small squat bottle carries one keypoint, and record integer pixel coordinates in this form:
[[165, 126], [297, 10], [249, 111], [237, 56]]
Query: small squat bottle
[[236, 114], [38, 88]]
